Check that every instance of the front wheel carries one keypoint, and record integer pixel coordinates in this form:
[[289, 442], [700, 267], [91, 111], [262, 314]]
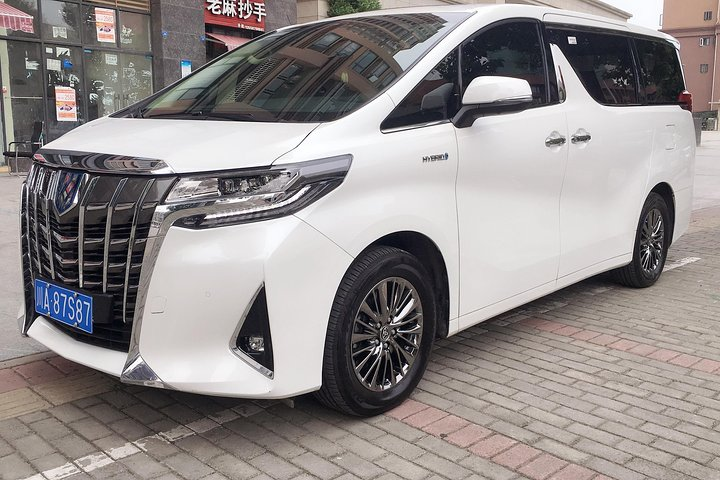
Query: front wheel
[[380, 333], [651, 245]]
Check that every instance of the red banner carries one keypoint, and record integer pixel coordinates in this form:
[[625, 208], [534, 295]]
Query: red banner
[[247, 14]]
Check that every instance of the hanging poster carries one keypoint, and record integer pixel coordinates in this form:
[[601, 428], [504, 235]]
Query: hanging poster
[[65, 104], [105, 25]]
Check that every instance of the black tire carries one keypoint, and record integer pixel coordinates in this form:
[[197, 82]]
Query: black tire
[[640, 273], [342, 389]]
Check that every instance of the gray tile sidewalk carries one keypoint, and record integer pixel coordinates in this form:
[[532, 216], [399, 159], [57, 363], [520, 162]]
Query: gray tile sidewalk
[[595, 381]]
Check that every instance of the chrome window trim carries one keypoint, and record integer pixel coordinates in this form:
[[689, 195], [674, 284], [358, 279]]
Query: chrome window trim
[[415, 126]]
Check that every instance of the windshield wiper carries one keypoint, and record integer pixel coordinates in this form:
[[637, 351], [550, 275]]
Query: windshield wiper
[[229, 116], [191, 115], [198, 115]]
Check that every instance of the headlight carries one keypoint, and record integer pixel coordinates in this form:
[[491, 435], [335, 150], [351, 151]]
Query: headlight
[[243, 196]]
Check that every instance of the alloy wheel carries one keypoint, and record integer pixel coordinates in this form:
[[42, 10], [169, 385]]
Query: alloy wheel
[[386, 334], [652, 239]]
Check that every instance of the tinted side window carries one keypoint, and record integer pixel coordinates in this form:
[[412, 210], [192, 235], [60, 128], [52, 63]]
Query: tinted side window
[[507, 50], [661, 77], [603, 62], [435, 98]]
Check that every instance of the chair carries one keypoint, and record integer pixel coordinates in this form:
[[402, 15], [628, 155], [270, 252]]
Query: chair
[[24, 150]]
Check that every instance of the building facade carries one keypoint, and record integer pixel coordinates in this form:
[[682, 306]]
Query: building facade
[[695, 24], [66, 62]]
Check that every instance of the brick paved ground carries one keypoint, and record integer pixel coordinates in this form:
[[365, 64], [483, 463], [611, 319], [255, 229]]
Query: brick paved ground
[[593, 382]]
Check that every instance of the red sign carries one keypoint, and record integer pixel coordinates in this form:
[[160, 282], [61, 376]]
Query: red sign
[[247, 14]]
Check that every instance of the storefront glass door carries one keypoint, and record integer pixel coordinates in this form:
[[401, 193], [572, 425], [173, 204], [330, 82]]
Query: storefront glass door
[[65, 94], [22, 88]]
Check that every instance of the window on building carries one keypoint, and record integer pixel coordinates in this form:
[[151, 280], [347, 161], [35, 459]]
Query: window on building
[[436, 98], [509, 50], [660, 72], [603, 62], [99, 26], [134, 31], [64, 80], [704, 67], [708, 15], [704, 41], [60, 21], [23, 98]]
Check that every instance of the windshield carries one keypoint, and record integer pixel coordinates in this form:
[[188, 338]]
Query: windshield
[[308, 73]]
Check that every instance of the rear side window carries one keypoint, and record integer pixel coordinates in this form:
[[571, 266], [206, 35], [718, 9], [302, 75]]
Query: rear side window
[[661, 76], [603, 62]]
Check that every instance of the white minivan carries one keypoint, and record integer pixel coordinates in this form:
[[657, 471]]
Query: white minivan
[[310, 211]]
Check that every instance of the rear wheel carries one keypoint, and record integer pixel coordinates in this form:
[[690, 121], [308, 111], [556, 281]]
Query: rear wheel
[[380, 333], [651, 244]]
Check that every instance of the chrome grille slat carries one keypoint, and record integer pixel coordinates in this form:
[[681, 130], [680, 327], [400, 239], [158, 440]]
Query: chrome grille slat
[[100, 206], [26, 196], [36, 192], [81, 225], [108, 230], [95, 245], [62, 240], [49, 199], [131, 244]]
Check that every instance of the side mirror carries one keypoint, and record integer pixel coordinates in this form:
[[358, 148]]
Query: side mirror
[[493, 95]]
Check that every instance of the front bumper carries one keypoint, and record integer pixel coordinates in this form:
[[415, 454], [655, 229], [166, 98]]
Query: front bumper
[[199, 286]]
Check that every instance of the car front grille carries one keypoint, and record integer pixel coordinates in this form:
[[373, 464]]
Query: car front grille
[[87, 231]]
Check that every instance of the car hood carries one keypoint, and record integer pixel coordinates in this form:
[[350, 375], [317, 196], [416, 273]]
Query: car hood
[[187, 146]]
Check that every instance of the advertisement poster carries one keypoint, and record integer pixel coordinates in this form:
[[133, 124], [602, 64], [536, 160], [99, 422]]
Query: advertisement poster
[[105, 24], [65, 104]]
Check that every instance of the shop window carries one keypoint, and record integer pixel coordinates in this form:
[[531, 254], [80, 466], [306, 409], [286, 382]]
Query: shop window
[[60, 21], [64, 89], [115, 80], [23, 83], [19, 18], [134, 31], [99, 26]]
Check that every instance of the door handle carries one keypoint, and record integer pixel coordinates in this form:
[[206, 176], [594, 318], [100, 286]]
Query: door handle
[[555, 140], [581, 136]]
